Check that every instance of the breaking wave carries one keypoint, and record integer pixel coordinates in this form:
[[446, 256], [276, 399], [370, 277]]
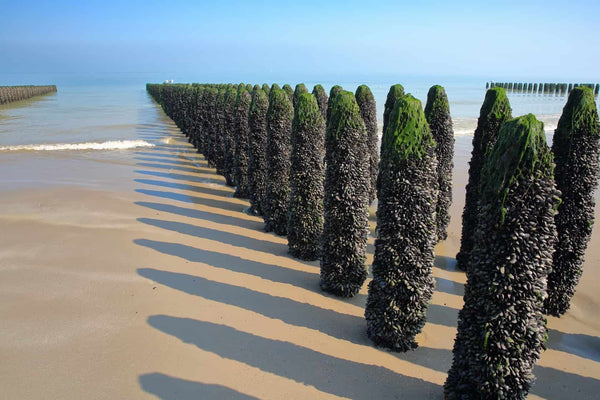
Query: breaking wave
[[109, 145]]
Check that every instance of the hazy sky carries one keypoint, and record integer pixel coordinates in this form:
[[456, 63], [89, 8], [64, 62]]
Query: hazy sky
[[503, 39]]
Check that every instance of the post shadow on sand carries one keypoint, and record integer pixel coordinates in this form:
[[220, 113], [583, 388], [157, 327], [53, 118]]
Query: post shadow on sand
[[578, 344], [167, 387], [549, 382], [173, 161], [202, 215], [326, 373], [166, 156], [217, 235], [193, 170], [270, 272], [184, 186], [179, 177], [225, 205], [341, 326]]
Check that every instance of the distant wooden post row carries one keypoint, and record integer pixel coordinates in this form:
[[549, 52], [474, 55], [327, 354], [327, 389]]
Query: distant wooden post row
[[9, 94], [551, 89]]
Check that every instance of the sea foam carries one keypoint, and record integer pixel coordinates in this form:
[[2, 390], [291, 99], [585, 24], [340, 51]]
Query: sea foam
[[109, 145]]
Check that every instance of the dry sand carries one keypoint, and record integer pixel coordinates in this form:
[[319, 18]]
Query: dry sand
[[150, 281]]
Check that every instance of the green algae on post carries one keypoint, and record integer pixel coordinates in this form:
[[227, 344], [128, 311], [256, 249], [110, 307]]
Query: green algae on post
[[265, 88], [402, 283], [501, 328], [289, 91], [322, 100], [494, 112], [305, 222], [394, 94], [576, 151], [257, 143], [332, 93], [368, 112], [437, 112], [300, 88], [346, 224], [279, 130]]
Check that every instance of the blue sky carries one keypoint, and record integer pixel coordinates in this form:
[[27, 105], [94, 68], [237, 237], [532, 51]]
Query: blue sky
[[508, 39]]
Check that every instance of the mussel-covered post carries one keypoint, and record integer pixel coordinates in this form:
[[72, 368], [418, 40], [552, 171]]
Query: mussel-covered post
[[346, 224], [576, 151], [305, 223], [368, 112], [218, 147], [257, 143], [402, 282], [229, 135], [279, 130], [501, 328], [494, 112], [241, 143], [322, 98], [437, 112]]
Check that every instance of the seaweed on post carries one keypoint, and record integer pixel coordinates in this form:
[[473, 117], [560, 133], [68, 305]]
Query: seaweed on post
[[501, 328], [322, 98], [266, 89], [346, 204], [289, 91], [305, 222], [576, 150], [279, 130], [402, 283], [257, 143], [494, 112], [437, 113], [300, 88], [332, 93], [394, 94], [368, 112]]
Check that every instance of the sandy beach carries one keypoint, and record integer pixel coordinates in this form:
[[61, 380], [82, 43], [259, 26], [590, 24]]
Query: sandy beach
[[141, 277]]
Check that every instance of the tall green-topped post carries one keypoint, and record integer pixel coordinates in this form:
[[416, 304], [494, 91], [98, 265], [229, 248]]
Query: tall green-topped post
[[501, 328], [494, 112], [332, 93], [240, 165], [305, 222], [402, 283], [257, 155], [229, 133], [437, 113], [279, 130], [368, 112], [322, 100], [346, 225], [576, 151]]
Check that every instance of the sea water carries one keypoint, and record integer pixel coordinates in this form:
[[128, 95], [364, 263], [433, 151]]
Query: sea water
[[102, 112]]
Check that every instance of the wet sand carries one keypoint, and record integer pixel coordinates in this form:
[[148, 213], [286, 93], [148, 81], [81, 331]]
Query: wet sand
[[139, 276]]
